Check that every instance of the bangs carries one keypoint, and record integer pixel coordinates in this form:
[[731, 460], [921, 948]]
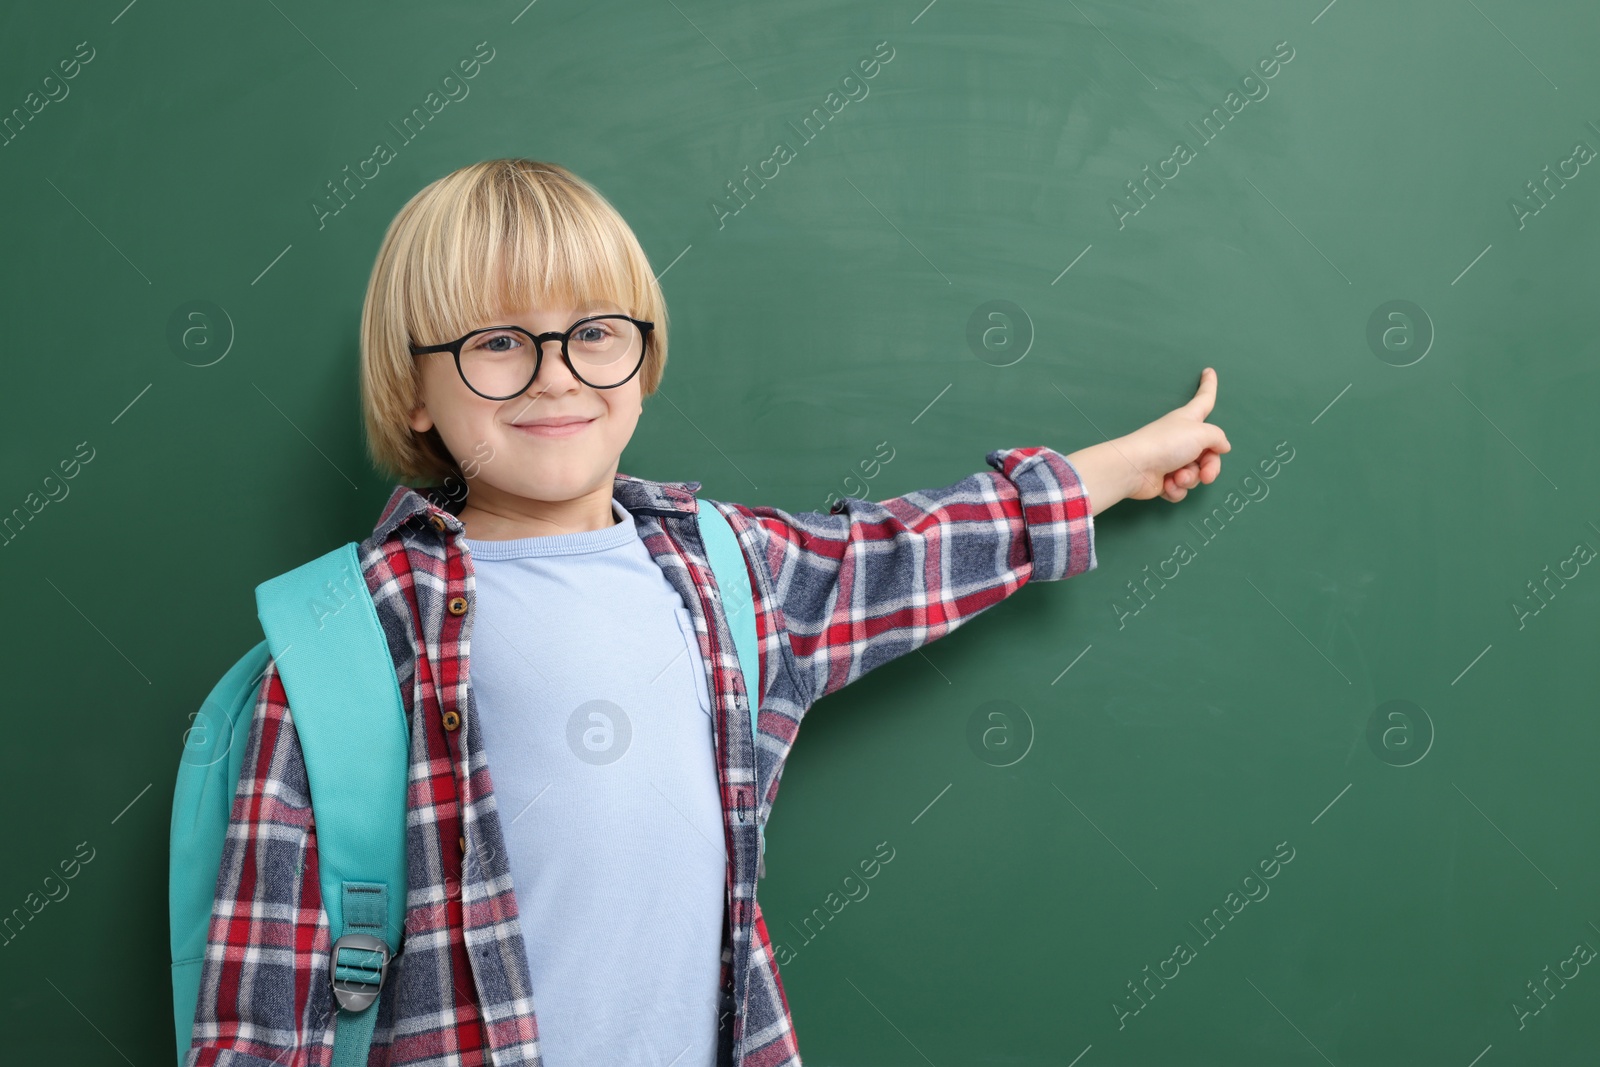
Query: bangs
[[508, 248]]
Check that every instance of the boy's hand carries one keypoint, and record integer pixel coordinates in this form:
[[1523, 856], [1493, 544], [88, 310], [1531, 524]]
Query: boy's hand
[[1164, 458]]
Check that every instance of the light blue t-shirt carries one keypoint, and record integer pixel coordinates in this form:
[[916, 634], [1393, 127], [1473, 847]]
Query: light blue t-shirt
[[591, 694]]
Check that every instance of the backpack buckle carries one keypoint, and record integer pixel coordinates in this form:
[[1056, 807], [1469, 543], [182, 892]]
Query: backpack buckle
[[357, 967]]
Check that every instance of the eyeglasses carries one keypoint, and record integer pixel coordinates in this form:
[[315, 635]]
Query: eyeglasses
[[501, 362]]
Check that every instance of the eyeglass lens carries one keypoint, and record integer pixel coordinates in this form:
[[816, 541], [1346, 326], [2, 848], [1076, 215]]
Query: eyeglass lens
[[500, 363]]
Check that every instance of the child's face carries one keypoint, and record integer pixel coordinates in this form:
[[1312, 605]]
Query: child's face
[[503, 460]]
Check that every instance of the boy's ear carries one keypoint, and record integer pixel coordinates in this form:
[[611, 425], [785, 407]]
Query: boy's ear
[[420, 420]]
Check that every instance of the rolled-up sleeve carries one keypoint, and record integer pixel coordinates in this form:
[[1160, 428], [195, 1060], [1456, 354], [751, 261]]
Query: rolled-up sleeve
[[1055, 511]]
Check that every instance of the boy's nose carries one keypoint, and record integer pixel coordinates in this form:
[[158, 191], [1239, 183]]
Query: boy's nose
[[553, 370]]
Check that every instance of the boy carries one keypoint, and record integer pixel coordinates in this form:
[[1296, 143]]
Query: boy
[[594, 902]]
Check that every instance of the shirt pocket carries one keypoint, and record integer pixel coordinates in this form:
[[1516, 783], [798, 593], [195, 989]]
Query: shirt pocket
[[697, 665]]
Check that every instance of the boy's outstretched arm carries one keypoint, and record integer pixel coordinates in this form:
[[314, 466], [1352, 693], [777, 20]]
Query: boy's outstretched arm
[[868, 582]]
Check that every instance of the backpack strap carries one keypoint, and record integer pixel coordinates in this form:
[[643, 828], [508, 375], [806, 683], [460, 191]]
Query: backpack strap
[[354, 730], [733, 581]]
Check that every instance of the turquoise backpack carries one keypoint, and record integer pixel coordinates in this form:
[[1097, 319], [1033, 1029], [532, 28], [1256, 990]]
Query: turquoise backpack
[[323, 630]]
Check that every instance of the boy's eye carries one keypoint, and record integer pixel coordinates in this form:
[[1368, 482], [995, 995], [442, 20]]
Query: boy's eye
[[497, 342]]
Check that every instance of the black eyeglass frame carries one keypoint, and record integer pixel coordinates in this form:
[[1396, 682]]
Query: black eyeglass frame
[[454, 348]]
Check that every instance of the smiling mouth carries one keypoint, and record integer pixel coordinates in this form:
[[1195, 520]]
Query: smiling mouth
[[563, 428]]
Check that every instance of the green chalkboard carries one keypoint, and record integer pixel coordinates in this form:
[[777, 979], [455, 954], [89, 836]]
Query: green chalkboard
[[1332, 729]]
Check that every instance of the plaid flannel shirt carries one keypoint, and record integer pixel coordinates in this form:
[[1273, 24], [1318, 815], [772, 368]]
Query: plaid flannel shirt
[[836, 594]]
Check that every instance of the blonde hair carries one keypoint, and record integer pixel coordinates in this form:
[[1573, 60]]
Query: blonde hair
[[494, 237]]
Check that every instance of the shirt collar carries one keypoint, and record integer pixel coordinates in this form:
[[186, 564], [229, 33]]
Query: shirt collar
[[635, 494]]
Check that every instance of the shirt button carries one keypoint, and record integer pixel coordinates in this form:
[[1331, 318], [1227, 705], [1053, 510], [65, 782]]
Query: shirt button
[[463, 845], [458, 605], [452, 721], [437, 521]]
